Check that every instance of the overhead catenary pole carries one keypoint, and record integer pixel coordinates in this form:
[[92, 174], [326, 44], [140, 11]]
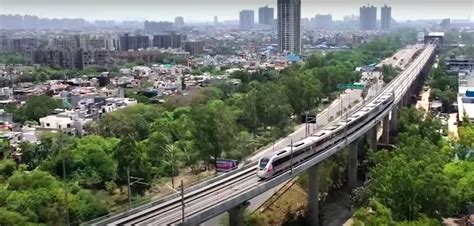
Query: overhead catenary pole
[[291, 153], [182, 201]]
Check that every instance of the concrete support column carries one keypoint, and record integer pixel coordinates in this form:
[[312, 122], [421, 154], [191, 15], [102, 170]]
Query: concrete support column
[[394, 119], [385, 130], [313, 198], [352, 165], [236, 215], [373, 138]]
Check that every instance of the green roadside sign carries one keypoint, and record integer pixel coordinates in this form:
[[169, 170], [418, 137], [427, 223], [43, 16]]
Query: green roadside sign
[[350, 86]]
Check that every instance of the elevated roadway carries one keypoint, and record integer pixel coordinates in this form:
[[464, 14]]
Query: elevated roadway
[[230, 192]]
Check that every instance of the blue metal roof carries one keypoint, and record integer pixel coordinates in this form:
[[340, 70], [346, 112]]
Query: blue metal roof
[[293, 58]]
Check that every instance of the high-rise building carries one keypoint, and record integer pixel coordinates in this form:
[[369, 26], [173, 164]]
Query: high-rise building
[[216, 21], [265, 16], [445, 23], [136, 42], [289, 25], [168, 40], [194, 47], [322, 21], [386, 17], [368, 17], [179, 22], [246, 20], [158, 27]]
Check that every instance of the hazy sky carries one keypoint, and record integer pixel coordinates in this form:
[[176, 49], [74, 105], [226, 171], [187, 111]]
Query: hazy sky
[[205, 10]]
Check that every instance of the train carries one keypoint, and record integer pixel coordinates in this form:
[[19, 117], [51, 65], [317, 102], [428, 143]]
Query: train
[[276, 162]]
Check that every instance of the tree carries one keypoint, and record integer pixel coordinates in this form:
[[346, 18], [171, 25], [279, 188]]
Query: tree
[[128, 122], [38, 197], [213, 129], [5, 148], [462, 173], [93, 160], [378, 214], [375, 214], [389, 73], [7, 167], [303, 91], [12, 218], [37, 107], [273, 108]]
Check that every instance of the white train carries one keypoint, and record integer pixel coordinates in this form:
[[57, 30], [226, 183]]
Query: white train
[[276, 162]]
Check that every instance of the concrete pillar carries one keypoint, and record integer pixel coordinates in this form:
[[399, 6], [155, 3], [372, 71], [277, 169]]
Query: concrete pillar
[[373, 138], [313, 199], [385, 130], [352, 165], [394, 119], [236, 214]]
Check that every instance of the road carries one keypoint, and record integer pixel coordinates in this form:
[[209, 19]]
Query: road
[[452, 125], [402, 57], [424, 103]]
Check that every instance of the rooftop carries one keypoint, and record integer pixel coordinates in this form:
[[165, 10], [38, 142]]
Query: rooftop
[[441, 34]]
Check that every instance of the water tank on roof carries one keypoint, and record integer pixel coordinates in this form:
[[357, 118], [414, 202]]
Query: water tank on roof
[[470, 93]]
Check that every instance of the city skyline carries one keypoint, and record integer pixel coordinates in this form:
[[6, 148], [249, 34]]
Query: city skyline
[[225, 9]]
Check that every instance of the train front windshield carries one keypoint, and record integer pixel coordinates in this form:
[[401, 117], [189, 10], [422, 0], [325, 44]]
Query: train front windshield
[[263, 163]]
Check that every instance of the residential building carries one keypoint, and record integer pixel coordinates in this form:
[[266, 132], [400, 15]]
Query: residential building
[[59, 58], [194, 47], [62, 123], [445, 23], [168, 41], [128, 42], [386, 17], [13, 44], [289, 25], [323, 21], [95, 57], [265, 16], [149, 56], [466, 95], [246, 20], [91, 43], [65, 42], [178, 22], [368, 18], [158, 27], [161, 41]]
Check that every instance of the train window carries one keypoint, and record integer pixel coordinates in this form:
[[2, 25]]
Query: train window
[[263, 162], [298, 144], [319, 134], [281, 152], [332, 128]]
